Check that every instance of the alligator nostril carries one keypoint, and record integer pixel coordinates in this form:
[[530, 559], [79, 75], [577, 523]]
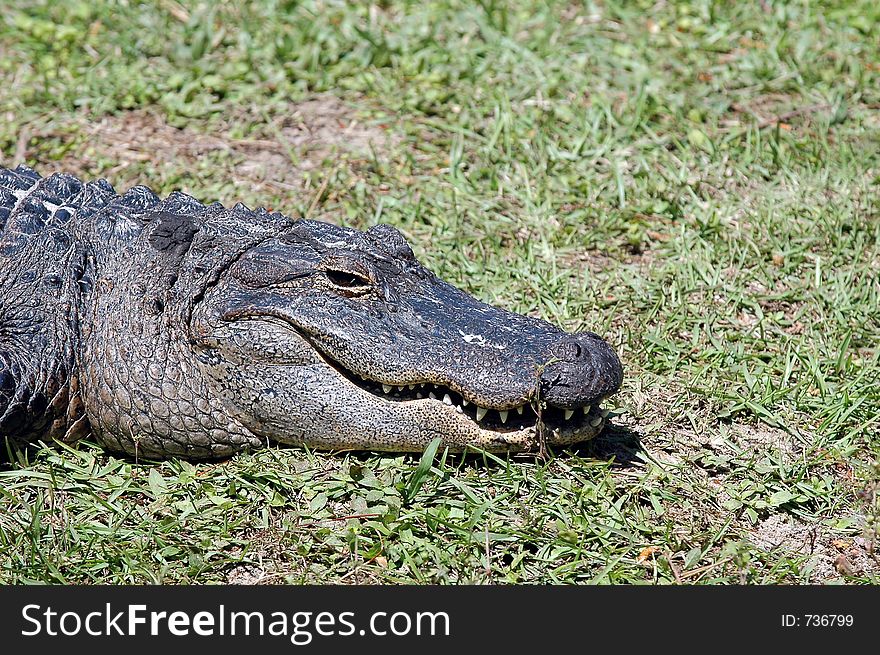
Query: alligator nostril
[[582, 369], [573, 347]]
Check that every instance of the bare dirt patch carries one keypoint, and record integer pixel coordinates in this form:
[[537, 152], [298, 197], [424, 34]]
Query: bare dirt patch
[[777, 108], [278, 155], [830, 557], [599, 262], [763, 438], [245, 574]]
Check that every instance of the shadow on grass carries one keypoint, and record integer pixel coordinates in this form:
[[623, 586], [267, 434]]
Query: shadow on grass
[[616, 443]]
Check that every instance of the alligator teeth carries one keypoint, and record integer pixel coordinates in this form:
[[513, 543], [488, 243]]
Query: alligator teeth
[[447, 400], [481, 412], [503, 415], [596, 422], [464, 402], [459, 409], [587, 409], [569, 413], [386, 388], [420, 395], [519, 409], [605, 412], [431, 395], [410, 386]]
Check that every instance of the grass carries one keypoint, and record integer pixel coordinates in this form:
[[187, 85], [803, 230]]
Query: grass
[[698, 181]]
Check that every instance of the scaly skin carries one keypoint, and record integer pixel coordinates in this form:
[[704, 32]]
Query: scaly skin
[[166, 327]]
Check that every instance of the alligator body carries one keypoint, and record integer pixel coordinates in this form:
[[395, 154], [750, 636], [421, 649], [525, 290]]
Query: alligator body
[[167, 327]]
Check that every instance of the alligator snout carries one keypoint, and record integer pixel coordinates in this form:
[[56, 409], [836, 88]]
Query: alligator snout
[[582, 370]]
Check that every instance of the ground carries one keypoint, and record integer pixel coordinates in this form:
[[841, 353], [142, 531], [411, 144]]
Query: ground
[[697, 181]]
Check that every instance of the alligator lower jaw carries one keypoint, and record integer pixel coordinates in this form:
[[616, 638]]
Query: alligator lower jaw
[[521, 427], [521, 417]]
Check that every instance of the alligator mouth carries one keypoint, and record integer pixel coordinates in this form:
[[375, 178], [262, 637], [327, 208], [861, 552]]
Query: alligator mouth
[[525, 416], [432, 409]]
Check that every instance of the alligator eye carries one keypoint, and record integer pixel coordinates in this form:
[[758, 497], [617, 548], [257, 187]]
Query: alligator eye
[[346, 279]]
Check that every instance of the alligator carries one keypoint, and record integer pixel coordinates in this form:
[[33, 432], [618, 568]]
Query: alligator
[[168, 327]]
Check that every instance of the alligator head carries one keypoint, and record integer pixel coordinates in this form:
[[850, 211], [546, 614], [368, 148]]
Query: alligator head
[[337, 338], [168, 327]]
